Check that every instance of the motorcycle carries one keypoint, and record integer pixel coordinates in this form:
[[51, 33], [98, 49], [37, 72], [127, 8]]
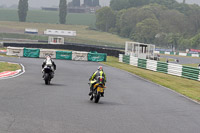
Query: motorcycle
[[48, 74], [98, 89]]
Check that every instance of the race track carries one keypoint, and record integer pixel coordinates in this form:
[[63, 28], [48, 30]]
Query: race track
[[182, 59], [130, 105]]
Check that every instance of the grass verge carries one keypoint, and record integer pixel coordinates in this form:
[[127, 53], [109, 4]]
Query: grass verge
[[84, 34], [192, 65], [4, 66], [187, 87], [40, 16]]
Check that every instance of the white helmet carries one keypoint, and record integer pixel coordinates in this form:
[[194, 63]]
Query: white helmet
[[100, 68]]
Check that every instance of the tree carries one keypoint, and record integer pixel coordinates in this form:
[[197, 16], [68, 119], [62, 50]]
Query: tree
[[146, 30], [119, 4], [62, 11], [184, 43], [173, 21], [129, 18], [22, 10], [173, 39], [171, 4], [106, 19], [194, 18], [136, 3], [196, 41]]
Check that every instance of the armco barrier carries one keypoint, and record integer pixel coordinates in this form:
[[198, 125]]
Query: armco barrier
[[79, 56], [16, 51], [45, 52], [168, 68], [69, 46], [64, 55], [33, 53], [96, 57]]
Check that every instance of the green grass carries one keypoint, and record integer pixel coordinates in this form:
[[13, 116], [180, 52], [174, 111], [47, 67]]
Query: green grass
[[187, 87], [22, 36], [84, 35], [4, 66], [192, 65], [40, 16]]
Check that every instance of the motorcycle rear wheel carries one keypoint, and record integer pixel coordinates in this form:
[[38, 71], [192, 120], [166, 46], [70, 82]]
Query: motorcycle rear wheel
[[47, 78]]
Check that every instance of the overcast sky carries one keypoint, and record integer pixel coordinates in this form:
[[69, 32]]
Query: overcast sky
[[49, 3], [42, 3], [191, 1]]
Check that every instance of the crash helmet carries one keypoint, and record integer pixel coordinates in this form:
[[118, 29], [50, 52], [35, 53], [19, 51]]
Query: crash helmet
[[100, 68], [48, 57]]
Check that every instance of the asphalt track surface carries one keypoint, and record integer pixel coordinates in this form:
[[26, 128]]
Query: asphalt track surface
[[182, 59], [130, 105]]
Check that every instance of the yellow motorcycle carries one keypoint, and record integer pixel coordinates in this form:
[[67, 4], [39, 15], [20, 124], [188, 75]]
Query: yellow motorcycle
[[98, 89]]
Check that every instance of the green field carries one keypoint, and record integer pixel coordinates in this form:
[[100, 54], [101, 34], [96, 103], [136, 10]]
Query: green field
[[52, 17], [84, 35], [42, 20]]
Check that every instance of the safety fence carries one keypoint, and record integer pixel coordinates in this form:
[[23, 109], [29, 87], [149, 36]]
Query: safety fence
[[56, 54], [167, 68], [177, 53]]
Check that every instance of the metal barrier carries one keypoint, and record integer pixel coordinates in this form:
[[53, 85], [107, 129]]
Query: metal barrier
[[66, 55], [16, 51], [45, 52]]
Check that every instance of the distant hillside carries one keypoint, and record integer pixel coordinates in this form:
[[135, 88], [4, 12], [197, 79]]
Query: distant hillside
[[107, 2], [187, 1]]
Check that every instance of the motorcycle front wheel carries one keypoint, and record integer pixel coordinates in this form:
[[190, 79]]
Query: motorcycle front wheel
[[97, 97]]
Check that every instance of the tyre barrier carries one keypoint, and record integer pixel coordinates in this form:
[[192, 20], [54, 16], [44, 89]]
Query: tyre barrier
[[64, 55], [167, 68]]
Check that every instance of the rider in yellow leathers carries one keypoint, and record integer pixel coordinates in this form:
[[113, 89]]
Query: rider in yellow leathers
[[94, 77]]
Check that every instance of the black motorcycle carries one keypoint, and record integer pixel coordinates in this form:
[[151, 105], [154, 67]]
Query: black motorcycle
[[48, 74]]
